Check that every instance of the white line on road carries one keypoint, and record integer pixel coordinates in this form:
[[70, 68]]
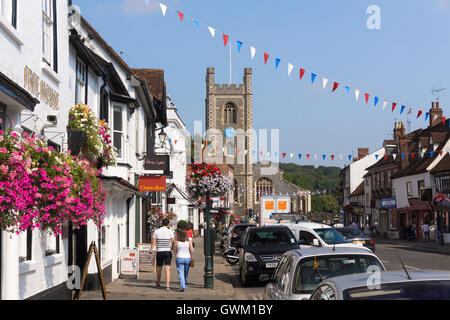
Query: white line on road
[[412, 267]]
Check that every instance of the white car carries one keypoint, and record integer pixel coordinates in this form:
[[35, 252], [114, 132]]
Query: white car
[[310, 234]]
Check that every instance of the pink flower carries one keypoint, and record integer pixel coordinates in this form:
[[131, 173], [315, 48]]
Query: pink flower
[[3, 150], [4, 169]]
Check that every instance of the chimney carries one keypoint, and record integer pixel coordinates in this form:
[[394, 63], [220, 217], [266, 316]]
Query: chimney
[[362, 152], [399, 130], [404, 161], [435, 114]]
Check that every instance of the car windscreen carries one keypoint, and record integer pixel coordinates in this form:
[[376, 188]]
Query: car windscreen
[[239, 230], [330, 236], [352, 233], [412, 290], [311, 271], [270, 237]]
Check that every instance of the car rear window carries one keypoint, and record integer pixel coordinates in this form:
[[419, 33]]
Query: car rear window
[[265, 237], [416, 290], [311, 271], [352, 232]]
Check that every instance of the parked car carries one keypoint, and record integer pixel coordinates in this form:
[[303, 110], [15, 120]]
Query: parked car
[[358, 237], [234, 234], [310, 234], [261, 249], [395, 285], [300, 271]]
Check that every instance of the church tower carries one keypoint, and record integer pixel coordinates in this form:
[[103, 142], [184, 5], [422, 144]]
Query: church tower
[[229, 112]]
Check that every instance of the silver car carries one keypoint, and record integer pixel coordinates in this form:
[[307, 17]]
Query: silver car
[[395, 285], [300, 271]]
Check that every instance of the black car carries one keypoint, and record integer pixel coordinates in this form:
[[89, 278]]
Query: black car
[[357, 236], [235, 232], [261, 249]]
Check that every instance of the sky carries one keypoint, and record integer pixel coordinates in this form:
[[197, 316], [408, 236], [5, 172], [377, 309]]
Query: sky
[[403, 61]]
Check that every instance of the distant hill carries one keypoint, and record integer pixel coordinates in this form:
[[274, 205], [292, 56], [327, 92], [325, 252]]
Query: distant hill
[[315, 179]]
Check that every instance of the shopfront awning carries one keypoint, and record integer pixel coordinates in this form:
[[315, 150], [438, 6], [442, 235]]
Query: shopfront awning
[[16, 93]]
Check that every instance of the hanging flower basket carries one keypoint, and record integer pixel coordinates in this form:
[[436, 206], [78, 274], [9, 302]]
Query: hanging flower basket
[[207, 178]]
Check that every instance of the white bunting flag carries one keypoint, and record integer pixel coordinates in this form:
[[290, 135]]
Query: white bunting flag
[[357, 94], [290, 67], [292, 155], [212, 31], [268, 154], [253, 51], [340, 156], [325, 81], [315, 156], [435, 117], [163, 9], [422, 154], [394, 156], [385, 103]]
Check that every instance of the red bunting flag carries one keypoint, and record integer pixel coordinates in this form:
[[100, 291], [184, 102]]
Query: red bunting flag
[[359, 157], [225, 39], [284, 155], [332, 157], [367, 98], [441, 152], [335, 86], [181, 15], [266, 57], [261, 153], [176, 141], [443, 120], [385, 157], [412, 155], [393, 106], [418, 114], [302, 73], [308, 155]]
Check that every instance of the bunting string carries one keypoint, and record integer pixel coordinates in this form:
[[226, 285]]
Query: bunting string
[[290, 66]]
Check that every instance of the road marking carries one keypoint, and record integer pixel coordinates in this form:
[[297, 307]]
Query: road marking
[[412, 267], [385, 261]]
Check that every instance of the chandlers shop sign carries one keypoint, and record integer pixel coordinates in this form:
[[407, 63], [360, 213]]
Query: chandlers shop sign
[[388, 203], [157, 162], [152, 183]]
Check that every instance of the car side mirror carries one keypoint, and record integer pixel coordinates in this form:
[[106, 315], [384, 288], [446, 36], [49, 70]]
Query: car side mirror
[[316, 243]]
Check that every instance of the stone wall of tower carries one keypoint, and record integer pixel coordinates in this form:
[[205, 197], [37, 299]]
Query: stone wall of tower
[[217, 96]]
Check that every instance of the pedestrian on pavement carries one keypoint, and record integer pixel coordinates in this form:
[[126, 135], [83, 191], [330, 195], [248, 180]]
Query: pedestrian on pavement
[[190, 233], [184, 250], [163, 239], [426, 230]]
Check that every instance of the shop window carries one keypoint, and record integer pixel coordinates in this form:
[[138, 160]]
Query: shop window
[[8, 10], [80, 86]]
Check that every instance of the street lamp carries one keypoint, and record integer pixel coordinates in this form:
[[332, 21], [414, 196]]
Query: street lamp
[[162, 137], [209, 268]]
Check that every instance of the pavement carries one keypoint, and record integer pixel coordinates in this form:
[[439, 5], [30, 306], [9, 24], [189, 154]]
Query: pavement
[[145, 288], [416, 245]]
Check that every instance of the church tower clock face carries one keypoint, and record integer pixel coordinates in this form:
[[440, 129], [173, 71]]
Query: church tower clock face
[[229, 132]]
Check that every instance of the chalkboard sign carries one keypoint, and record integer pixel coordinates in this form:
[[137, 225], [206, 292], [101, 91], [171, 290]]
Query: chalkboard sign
[[147, 261]]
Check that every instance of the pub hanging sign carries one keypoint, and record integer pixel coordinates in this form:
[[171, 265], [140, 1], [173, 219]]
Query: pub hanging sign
[[152, 183], [157, 162]]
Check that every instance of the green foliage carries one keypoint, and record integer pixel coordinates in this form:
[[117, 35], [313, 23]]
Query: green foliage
[[315, 179]]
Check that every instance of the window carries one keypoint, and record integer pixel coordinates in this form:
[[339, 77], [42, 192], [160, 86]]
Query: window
[[263, 186], [80, 85], [191, 215], [51, 243], [230, 113], [306, 237], [409, 189], [118, 130], [103, 242], [49, 33], [420, 185], [324, 293], [25, 245], [8, 10], [3, 124], [236, 192]]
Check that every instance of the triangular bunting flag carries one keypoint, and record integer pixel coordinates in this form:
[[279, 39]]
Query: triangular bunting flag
[[422, 154], [324, 156], [313, 77], [302, 73], [277, 62], [393, 106], [239, 45], [357, 94], [402, 109], [292, 155], [332, 157], [290, 67], [252, 51], [431, 154], [440, 153], [299, 156], [181, 15], [426, 116], [163, 9], [413, 155], [225, 39], [385, 103], [308, 155], [335, 86], [443, 120], [324, 82], [212, 31], [197, 24], [376, 101], [376, 157], [394, 156], [385, 157], [347, 88], [284, 155], [266, 57], [349, 157], [419, 114], [403, 155], [367, 97], [340, 156]]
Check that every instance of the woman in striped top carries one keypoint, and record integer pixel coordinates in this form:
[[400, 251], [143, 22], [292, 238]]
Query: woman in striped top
[[163, 239]]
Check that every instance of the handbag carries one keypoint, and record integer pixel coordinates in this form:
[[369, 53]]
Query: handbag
[[192, 264]]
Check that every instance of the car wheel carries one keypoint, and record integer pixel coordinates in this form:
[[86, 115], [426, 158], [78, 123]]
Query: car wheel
[[244, 280]]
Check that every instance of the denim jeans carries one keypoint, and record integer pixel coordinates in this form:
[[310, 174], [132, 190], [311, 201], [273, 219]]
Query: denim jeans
[[183, 270]]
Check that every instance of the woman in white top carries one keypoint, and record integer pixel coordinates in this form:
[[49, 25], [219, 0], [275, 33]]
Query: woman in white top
[[183, 257]]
